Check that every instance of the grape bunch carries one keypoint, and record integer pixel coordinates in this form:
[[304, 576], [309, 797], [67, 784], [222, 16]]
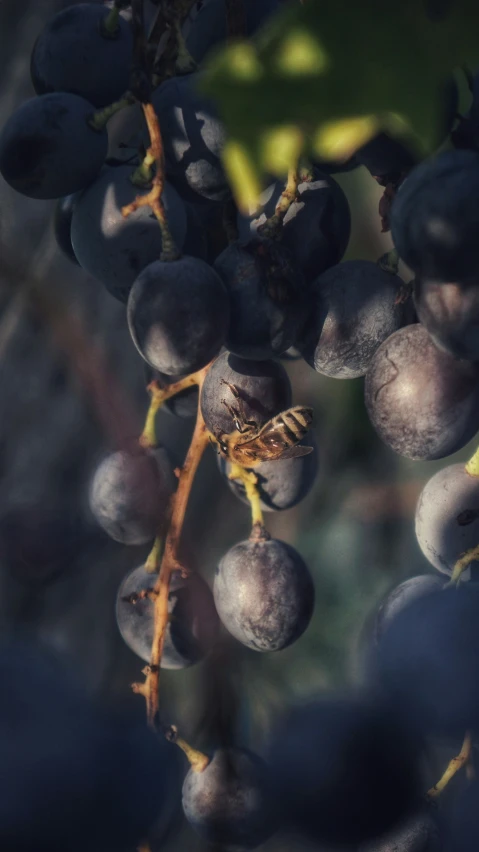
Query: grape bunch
[[217, 298]]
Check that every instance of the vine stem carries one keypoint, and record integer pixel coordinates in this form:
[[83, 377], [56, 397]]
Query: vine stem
[[454, 766], [153, 199], [158, 397], [272, 227], [462, 563], [250, 483], [472, 466], [170, 562]]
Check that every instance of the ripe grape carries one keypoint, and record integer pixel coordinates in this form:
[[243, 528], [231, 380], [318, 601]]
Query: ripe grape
[[104, 780], [427, 662], [450, 312], [416, 834], [192, 626], [130, 492], [316, 228], [422, 402], [447, 517], [266, 296], [264, 593], [434, 218], [62, 225], [47, 149], [227, 803], [193, 139], [72, 54], [263, 386], [178, 315], [208, 27], [353, 308], [282, 484], [344, 771], [116, 249], [385, 157], [401, 597]]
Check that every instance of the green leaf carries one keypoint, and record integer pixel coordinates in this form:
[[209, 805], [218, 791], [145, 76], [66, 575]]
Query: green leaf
[[324, 77]]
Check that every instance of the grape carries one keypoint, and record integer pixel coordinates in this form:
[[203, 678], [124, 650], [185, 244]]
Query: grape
[[178, 315], [72, 778], [196, 239], [227, 803], [344, 771], [62, 225], [428, 664], [422, 402], [447, 517], [263, 386], [282, 484], [192, 626], [385, 157], [71, 54], [193, 140], [353, 308], [130, 492], [266, 295], [434, 219], [416, 834], [401, 597], [264, 593], [47, 149], [450, 312], [116, 249], [316, 228], [208, 27]]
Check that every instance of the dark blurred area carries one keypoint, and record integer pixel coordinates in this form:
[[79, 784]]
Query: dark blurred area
[[72, 388]]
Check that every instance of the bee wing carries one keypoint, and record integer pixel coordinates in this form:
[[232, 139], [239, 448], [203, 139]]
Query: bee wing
[[295, 452], [270, 444]]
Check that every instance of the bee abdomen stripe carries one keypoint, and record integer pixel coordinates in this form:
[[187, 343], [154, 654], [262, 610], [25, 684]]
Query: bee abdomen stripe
[[295, 422]]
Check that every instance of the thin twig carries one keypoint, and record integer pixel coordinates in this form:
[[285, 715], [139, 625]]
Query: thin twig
[[272, 227], [153, 198], [454, 766], [170, 562]]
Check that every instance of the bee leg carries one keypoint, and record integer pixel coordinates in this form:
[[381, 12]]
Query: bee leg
[[237, 411]]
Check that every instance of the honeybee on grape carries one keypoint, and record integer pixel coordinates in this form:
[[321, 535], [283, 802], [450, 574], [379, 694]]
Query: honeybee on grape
[[277, 439]]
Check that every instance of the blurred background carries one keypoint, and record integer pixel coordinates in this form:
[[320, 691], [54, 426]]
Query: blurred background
[[72, 388]]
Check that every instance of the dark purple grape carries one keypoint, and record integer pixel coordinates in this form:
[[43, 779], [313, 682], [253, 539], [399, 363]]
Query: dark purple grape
[[130, 492], [401, 597], [450, 312], [282, 484], [422, 402], [47, 149], [116, 249], [192, 627], [416, 834], [227, 803], [385, 157], [73, 54], [206, 25], [264, 593], [73, 778], [353, 308], [447, 517], [266, 295], [263, 386], [344, 771], [193, 139], [316, 228], [178, 315], [427, 662], [435, 219], [62, 225]]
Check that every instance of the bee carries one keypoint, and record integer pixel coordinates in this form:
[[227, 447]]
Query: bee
[[278, 439]]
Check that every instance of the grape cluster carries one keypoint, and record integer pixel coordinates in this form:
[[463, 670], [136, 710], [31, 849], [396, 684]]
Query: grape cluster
[[215, 299]]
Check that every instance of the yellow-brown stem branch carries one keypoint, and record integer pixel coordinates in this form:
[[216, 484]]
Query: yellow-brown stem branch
[[454, 766]]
